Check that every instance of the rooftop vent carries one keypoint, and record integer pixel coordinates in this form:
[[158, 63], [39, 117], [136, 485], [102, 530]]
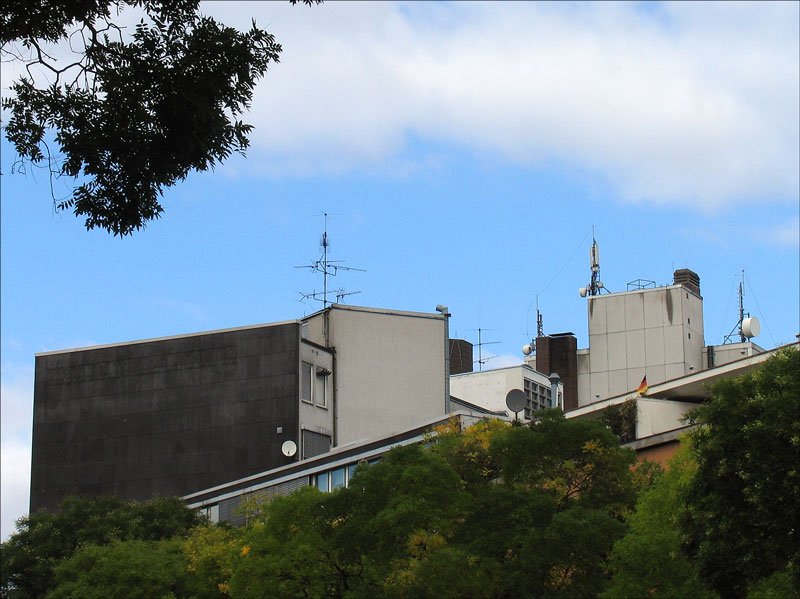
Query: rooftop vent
[[687, 278]]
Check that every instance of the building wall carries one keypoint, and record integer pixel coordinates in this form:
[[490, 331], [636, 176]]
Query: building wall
[[163, 417], [390, 370], [661, 454], [488, 388], [729, 352], [658, 415], [654, 332], [316, 412]]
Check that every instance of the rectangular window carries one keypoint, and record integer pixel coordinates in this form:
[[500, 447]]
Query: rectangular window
[[351, 470], [322, 481], [337, 479], [306, 380], [321, 392]]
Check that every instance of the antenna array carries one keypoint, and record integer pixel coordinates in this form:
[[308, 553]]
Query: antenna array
[[747, 326], [328, 268], [481, 360], [595, 285]]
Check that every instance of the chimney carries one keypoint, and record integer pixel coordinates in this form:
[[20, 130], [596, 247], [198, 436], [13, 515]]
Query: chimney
[[460, 356], [559, 353], [687, 278]]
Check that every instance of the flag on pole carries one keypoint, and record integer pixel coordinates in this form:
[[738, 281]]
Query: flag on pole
[[642, 390]]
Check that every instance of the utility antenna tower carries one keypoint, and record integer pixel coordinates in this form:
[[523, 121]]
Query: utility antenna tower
[[481, 360], [539, 322], [328, 268], [595, 285], [747, 326]]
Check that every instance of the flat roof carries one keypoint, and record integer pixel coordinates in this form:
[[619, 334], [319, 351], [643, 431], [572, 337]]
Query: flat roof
[[167, 338], [386, 311]]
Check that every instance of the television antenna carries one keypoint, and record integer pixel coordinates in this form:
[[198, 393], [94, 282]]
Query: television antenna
[[747, 326], [327, 268], [481, 360]]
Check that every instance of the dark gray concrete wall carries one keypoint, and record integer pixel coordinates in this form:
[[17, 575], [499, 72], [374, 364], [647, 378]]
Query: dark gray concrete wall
[[164, 417]]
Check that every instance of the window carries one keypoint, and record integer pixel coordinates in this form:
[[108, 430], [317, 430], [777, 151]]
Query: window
[[337, 479], [306, 381], [538, 397], [211, 512], [321, 391]]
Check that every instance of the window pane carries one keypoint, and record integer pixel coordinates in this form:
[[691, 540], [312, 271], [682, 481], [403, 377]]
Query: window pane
[[305, 383], [320, 395], [351, 470], [322, 481], [337, 478]]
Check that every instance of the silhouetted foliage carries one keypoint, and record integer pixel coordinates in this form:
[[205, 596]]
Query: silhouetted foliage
[[130, 114]]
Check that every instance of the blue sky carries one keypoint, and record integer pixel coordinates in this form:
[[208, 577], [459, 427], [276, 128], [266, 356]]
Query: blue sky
[[464, 153]]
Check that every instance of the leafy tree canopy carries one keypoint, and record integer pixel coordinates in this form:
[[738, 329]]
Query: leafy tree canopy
[[744, 503], [648, 561], [131, 114], [130, 569], [45, 539]]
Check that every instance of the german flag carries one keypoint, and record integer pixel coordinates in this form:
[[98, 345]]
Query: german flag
[[642, 390]]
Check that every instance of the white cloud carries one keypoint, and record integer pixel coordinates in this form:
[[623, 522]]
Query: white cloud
[[781, 236], [16, 411], [695, 104], [686, 103]]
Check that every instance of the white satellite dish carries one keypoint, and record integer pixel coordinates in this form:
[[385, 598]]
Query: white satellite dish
[[527, 349], [289, 448], [751, 327]]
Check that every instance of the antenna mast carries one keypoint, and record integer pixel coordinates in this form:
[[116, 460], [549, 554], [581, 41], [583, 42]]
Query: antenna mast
[[595, 285], [539, 322], [738, 329], [481, 360], [328, 268]]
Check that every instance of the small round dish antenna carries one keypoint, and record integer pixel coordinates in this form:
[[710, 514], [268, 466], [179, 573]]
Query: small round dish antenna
[[289, 448], [516, 400], [751, 327]]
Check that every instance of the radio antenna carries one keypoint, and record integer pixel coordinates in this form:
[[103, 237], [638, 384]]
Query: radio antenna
[[327, 268], [747, 326], [481, 360], [595, 285]]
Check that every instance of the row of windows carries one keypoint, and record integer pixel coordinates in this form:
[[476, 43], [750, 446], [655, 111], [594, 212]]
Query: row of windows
[[314, 389], [538, 398], [338, 478]]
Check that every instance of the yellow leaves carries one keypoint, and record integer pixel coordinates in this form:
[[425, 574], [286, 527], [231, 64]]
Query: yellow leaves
[[592, 447], [245, 550], [224, 588], [560, 576], [451, 427], [422, 543]]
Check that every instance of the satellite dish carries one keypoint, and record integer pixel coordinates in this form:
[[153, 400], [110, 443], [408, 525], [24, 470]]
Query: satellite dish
[[583, 291], [751, 327], [289, 448], [516, 400], [527, 349]]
